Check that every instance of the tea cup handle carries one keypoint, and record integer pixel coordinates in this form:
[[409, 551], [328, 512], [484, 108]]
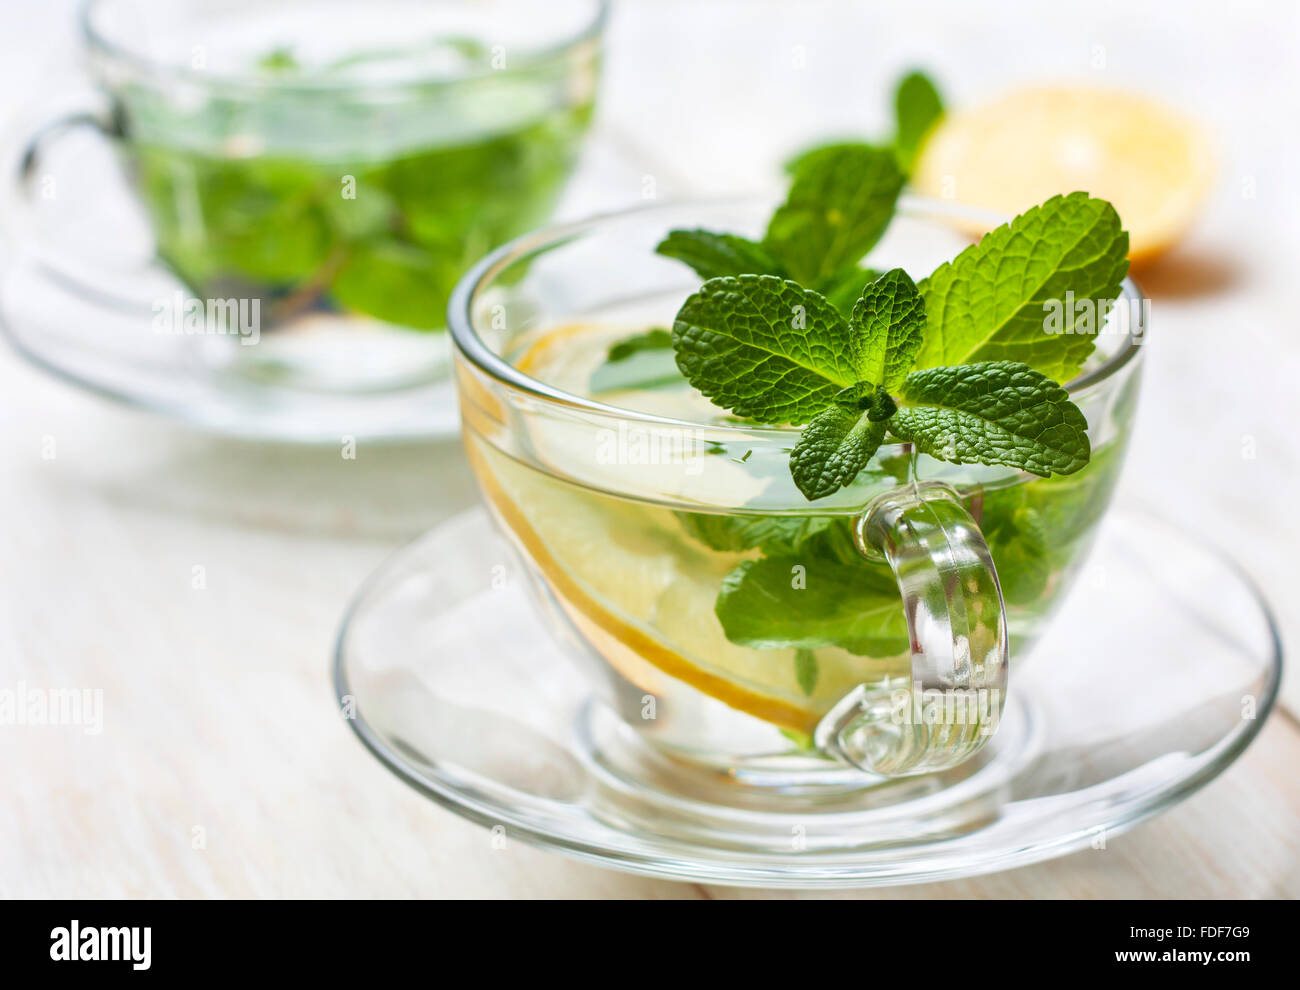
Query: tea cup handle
[[957, 626], [91, 261], [29, 163]]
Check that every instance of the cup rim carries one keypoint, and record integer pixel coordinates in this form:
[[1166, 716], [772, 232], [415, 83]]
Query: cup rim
[[460, 322], [96, 42]]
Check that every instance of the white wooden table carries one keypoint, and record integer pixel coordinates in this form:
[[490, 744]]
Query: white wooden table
[[224, 769]]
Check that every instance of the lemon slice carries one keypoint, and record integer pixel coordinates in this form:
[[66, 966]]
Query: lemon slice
[[1153, 164], [561, 356], [567, 357], [641, 593]]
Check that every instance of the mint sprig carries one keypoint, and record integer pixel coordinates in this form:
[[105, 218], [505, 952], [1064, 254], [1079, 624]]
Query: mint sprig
[[770, 349], [837, 444]]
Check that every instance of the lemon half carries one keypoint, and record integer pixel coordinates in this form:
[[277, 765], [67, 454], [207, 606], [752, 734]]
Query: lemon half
[[1153, 164]]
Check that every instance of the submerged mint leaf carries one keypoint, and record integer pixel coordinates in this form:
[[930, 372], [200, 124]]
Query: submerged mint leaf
[[654, 339], [992, 302], [806, 601], [890, 317], [833, 449], [735, 533], [840, 202], [918, 107], [642, 361], [714, 255], [764, 347], [390, 279], [800, 740], [1020, 547], [805, 670], [993, 412]]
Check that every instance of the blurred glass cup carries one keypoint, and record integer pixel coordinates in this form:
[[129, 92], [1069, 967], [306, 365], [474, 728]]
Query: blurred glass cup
[[331, 168]]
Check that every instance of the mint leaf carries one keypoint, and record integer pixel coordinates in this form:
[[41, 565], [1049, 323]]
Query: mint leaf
[[713, 255], [654, 339], [890, 317], [371, 215], [838, 442], [806, 602], [736, 533], [764, 348], [833, 449], [801, 160], [805, 670], [642, 361], [1064, 507], [842, 289], [917, 108], [1022, 552], [840, 202], [992, 301], [993, 412], [391, 280]]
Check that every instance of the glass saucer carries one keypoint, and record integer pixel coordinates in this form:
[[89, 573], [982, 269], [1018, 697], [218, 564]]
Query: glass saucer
[[1156, 674], [105, 340]]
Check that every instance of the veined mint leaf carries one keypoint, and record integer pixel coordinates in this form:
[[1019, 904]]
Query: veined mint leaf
[[990, 303], [833, 449], [654, 339], [838, 442], [993, 412], [840, 202], [890, 317], [764, 348], [713, 255], [917, 108], [806, 602]]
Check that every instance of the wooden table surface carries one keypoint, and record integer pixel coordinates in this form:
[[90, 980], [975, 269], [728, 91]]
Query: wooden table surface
[[224, 769]]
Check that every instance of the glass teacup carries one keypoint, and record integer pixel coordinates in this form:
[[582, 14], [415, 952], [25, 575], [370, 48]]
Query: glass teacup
[[334, 167], [658, 528]]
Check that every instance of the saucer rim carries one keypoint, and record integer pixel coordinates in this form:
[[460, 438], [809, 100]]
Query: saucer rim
[[401, 429]]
